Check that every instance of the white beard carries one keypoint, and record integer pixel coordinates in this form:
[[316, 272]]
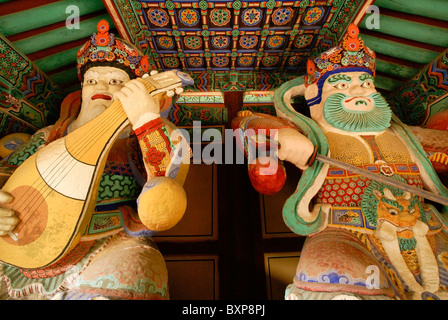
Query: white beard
[[89, 110]]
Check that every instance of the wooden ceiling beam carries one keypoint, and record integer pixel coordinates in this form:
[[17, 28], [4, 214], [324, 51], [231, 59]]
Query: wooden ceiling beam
[[66, 75], [434, 9], [58, 60], [17, 6], [385, 82], [414, 18], [38, 17], [51, 27], [42, 54], [58, 36], [402, 41], [399, 27], [55, 52], [398, 61], [400, 48], [395, 70]]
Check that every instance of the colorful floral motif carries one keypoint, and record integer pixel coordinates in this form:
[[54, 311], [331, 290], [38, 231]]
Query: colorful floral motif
[[294, 60], [248, 42], [220, 16], [220, 61], [195, 61], [275, 42], [158, 17], [282, 16], [245, 61], [193, 42], [220, 42], [170, 62], [165, 42], [303, 41], [412, 102], [270, 61], [313, 15], [189, 17], [252, 16]]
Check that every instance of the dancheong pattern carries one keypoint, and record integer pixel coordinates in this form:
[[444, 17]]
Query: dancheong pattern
[[29, 100], [254, 36]]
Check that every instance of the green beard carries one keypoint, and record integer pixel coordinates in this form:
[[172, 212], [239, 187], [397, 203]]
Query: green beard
[[375, 120]]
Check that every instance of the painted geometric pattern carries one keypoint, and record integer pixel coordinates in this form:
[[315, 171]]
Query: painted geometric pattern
[[234, 35], [412, 101], [255, 36], [185, 114], [27, 97]]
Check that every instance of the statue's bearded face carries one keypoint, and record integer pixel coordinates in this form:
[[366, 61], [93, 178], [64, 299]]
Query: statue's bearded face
[[351, 103]]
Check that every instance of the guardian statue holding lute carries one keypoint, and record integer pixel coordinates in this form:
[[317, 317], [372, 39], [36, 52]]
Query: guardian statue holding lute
[[86, 194]]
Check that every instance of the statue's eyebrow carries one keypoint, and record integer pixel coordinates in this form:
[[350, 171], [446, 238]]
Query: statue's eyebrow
[[339, 77], [365, 77], [392, 203], [91, 74], [116, 75]]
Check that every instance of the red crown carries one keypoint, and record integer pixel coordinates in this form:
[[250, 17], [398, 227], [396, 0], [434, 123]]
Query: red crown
[[104, 47], [350, 54]]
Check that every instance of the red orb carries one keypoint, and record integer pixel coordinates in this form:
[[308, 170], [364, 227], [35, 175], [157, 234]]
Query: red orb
[[438, 121], [267, 175]]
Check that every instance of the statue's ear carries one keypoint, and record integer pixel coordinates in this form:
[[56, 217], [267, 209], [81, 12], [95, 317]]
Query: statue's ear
[[311, 91]]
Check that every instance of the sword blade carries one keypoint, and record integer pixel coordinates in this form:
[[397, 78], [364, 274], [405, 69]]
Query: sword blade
[[384, 179]]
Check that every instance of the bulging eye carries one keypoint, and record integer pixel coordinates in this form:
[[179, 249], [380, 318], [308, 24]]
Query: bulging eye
[[90, 81], [367, 84], [115, 82], [393, 211], [341, 85]]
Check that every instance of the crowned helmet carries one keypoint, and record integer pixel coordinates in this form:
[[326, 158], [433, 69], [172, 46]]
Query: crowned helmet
[[104, 49], [350, 56]]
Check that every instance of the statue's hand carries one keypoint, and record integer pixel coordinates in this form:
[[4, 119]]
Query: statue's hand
[[294, 147], [139, 105], [8, 218]]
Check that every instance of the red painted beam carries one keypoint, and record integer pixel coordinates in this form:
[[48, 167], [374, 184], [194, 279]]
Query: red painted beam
[[20, 5], [407, 42], [53, 50], [399, 61], [50, 27], [414, 18]]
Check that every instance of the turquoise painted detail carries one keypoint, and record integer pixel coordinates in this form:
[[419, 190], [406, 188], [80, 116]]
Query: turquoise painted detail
[[117, 187], [406, 244], [102, 222], [26, 150], [339, 78], [317, 137]]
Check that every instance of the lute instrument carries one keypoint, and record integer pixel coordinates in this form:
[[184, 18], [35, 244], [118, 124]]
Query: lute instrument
[[55, 189]]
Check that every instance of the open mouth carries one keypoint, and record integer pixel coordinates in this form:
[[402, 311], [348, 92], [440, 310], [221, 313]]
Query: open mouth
[[101, 96]]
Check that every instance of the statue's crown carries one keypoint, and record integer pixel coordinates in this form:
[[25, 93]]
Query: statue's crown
[[103, 47], [350, 55]]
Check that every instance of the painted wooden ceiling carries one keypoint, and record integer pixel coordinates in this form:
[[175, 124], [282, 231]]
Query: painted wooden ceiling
[[259, 44]]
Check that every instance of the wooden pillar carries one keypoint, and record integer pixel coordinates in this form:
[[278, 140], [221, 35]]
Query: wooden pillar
[[233, 101]]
